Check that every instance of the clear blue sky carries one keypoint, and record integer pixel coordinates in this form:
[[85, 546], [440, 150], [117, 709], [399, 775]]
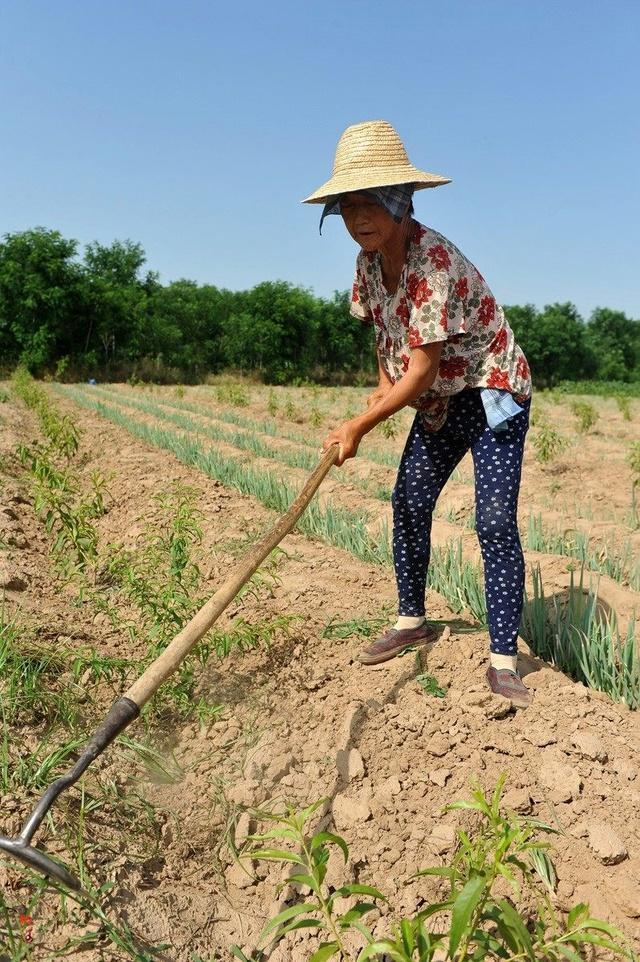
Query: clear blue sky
[[195, 127]]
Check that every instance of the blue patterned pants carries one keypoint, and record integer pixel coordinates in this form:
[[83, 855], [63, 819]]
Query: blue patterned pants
[[427, 462]]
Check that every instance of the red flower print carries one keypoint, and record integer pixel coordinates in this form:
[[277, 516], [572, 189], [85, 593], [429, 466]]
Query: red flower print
[[498, 378], [522, 368], [487, 310], [402, 311], [462, 287], [453, 367], [443, 317], [377, 314], [415, 337], [418, 233], [405, 363], [388, 344], [439, 257], [499, 342], [355, 296], [418, 290]]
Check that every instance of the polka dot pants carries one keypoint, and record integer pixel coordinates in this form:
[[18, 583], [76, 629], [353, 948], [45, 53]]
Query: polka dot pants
[[427, 462]]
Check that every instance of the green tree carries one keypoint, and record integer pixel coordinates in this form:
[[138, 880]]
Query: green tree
[[274, 331], [116, 300], [555, 342], [615, 341], [40, 297]]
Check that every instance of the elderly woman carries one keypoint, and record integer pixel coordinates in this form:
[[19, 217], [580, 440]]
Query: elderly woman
[[445, 349]]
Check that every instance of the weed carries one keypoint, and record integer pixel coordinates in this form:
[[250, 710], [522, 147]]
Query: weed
[[4, 396], [548, 443], [179, 392], [586, 414], [357, 627]]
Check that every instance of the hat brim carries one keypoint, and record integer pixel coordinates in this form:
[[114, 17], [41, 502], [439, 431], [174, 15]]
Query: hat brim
[[353, 181]]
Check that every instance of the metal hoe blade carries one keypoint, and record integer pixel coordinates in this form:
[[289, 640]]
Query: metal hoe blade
[[35, 859]]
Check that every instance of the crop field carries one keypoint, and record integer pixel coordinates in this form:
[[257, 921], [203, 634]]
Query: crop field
[[276, 799]]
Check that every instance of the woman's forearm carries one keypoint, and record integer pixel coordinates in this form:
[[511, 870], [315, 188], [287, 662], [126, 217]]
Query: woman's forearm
[[423, 368], [403, 392]]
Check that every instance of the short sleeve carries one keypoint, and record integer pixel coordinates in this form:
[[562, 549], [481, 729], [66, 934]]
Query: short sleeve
[[435, 313], [360, 306]]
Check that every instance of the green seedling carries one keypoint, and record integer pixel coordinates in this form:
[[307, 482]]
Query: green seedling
[[573, 634], [272, 404], [474, 921], [624, 406], [315, 417], [586, 415], [430, 686], [389, 429], [548, 444]]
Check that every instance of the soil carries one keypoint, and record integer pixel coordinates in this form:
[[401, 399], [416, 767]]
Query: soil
[[303, 720]]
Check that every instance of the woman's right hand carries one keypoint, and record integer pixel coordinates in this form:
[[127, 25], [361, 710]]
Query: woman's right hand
[[381, 391]]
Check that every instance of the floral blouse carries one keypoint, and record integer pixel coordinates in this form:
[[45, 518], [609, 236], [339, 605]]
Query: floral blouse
[[441, 296]]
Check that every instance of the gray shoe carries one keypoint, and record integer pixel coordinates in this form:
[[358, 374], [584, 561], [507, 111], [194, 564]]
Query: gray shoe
[[505, 682], [396, 640]]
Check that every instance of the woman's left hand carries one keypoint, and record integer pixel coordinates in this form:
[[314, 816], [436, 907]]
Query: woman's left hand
[[348, 436]]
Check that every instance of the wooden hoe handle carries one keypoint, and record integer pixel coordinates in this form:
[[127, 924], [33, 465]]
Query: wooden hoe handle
[[166, 663]]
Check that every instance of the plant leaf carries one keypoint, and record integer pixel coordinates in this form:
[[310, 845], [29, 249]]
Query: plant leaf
[[357, 889], [275, 854], [323, 837], [509, 921], [463, 909], [286, 915], [326, 950]]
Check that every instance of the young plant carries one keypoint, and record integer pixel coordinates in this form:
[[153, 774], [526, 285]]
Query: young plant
[[272, 404], [67, 513], [572, 634], [310, 857], [234, 394], [624, 406], [586, 415], [499, 848], [548, 443], [389, 429], [315, 417]]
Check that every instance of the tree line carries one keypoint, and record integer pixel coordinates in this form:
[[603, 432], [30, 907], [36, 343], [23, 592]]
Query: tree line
[[104, 315]]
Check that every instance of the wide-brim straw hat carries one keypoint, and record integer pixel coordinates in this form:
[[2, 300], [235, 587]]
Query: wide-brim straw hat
[[371, 154]]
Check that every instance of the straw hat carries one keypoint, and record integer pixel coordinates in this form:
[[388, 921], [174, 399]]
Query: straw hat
[[371, 154]]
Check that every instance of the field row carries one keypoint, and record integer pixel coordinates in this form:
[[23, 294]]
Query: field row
[[606, 556], [576, 639]]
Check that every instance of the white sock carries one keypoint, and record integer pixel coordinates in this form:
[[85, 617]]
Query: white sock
[[504, 661], [405, 622]]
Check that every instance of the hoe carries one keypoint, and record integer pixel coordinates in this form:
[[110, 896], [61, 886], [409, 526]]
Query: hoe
[[128, 706]]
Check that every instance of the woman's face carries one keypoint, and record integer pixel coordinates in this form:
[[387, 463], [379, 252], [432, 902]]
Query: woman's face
[[368, 223]]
